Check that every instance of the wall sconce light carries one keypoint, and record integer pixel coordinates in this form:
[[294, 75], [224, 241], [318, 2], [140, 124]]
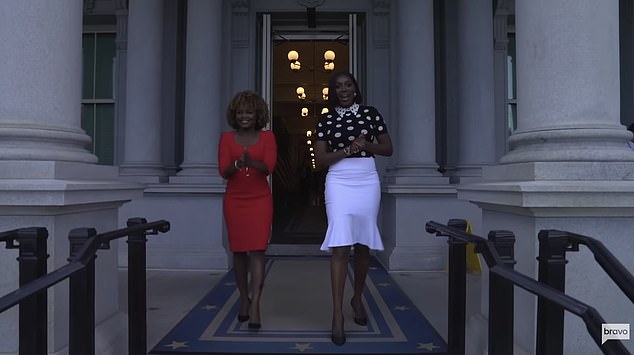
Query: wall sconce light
[[301, 94], [324, 93], [308, 134], [293, 57], [309, 142], [324, 110], [305, 112], [329, 60]]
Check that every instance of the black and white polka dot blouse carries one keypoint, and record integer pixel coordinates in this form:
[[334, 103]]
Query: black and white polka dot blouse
[[343, 126]]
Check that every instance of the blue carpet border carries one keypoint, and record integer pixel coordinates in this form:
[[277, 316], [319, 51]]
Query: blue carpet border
[[422, 337]]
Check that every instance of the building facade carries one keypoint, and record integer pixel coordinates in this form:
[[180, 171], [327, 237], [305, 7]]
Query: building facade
[[508, 114]]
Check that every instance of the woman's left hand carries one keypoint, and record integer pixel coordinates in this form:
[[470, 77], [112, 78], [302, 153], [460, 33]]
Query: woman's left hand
[[360, 142]]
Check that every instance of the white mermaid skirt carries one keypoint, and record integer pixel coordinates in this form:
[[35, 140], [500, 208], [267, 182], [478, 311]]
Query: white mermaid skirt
[[352, 194]]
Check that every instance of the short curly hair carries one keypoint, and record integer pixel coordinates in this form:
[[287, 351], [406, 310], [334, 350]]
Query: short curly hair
[[250, 100]]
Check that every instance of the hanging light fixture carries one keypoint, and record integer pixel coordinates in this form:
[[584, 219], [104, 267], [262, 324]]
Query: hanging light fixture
[[301, 94], [324, 94], [329, 60], [293, 57], [304, 111], [324, 110], [308, 134]]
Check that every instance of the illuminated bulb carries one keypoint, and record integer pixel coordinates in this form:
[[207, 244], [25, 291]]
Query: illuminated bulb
[[324, 93], [304, 111], [329, 55], [293, 55], [324, 110]]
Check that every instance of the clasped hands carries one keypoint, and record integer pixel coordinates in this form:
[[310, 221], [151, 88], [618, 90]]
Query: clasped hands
[[244, 161], [357, 145]]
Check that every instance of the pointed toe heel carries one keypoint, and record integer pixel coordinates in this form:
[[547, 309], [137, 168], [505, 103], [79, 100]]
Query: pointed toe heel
[[338, 340], [363, 320]]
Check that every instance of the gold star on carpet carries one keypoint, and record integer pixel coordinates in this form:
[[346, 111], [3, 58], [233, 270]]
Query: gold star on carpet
[[177, 344], [427, 346], [302, 347], [401, 308], [384, 284], [210, 307]]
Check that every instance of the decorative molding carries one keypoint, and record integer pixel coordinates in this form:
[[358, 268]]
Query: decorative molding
[[240, 6], [381, 7], [121, 4], [240, 23], [311, 3], [381, 27], [89, 6], [121, 40]]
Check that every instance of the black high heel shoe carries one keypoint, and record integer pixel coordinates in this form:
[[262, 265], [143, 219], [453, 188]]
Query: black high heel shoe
[[363, 320], [339, 339], [243, 317]]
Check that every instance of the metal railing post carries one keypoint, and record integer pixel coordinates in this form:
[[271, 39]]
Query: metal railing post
[[552, 272], [81, 298], [33, 319], [137, 290], [501, 293], [457, 290]]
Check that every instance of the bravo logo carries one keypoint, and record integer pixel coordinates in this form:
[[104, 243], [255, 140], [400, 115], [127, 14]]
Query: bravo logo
[[620, 331]]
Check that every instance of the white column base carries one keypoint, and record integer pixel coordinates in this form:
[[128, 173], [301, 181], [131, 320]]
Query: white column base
[[405, 209], [196, 239]]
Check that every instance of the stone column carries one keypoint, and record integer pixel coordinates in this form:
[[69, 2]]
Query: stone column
[[500, 59], [142, 149], [569, 167], [47, 177], [121, 73], [626, 37], [415, 141], [476, 115], [574, 115], [414, 190], [204, 109], [193, 198], [40, 93]]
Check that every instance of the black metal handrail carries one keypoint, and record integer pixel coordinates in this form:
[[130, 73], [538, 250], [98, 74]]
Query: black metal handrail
[[80, 270], [610, 264], [587, 313], [32, 316], [553, 246]]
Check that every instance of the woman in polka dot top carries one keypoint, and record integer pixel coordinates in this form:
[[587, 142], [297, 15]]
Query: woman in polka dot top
[[348, 139]]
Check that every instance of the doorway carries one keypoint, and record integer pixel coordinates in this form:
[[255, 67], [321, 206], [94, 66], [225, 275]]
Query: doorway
[[297, 98]]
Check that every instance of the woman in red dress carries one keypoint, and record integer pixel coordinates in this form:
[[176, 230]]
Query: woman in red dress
[[246, 157]]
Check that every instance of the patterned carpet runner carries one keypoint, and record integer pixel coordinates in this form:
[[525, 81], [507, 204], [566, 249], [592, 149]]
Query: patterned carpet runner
[[296, 311]]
